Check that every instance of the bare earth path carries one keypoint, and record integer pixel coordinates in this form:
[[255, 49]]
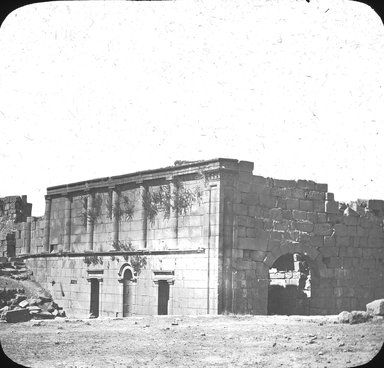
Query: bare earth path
[[222, 341]]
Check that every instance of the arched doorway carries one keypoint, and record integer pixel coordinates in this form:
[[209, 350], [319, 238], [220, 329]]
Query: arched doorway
[[289, 289], [128, 284]]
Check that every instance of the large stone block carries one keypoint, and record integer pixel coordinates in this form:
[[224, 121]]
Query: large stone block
[[306, 184], [331, 207], [305, 226], [292, 204], [17, 315], [323, 229], [298, 193], [276, 214], [305, 205], [376, 307], [299, 215], [321, 187]]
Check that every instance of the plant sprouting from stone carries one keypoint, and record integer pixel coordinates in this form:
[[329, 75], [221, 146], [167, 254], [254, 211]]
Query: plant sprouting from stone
[[88, 260], [137, 261], [179, 200], [91, 213], [123, 209]]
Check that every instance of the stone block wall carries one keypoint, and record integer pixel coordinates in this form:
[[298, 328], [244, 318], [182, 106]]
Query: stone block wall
[[243, 222], [55, 246], [344, 244], [68, 279], [13, 211]]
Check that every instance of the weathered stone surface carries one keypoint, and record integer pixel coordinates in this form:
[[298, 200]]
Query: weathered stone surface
[[331, 207], [43, 315], [45, 297], [376, 307], [359, 317], [34, 309], [34, 301], [344, 317], [17, 315], [23, 303]]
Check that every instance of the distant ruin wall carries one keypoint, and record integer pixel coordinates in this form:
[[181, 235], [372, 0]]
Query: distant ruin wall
[[13, 211]]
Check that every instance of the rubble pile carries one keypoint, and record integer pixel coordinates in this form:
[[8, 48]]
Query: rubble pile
[[18, 304], [15, 269], [16, 307]]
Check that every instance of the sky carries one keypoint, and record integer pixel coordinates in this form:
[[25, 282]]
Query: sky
[[94, 89]]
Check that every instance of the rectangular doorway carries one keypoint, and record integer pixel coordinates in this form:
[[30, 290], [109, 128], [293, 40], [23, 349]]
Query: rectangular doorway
[[95, 292], [163, 297]]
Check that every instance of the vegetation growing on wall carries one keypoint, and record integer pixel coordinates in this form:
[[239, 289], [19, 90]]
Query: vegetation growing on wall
[[122, 210], [166, 199], [92, 259], [93, 213], [179, 200], [137, 261]]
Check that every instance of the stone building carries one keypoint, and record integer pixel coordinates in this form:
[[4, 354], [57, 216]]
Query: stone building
[[204, 237]]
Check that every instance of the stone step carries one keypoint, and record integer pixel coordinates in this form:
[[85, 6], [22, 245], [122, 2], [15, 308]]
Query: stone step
[[7, 271], [18, 263]]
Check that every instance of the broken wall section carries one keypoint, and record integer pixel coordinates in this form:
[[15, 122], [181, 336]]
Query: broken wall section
[[344, 243], [13, 211]]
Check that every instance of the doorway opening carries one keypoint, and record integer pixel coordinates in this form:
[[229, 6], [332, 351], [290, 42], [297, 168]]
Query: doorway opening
[[163, 297], [128, 283], [289, 288], [95, 293]]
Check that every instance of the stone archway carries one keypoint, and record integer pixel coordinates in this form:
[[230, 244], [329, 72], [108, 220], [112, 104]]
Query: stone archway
[[317, 269], [128, 280], [289, 289]]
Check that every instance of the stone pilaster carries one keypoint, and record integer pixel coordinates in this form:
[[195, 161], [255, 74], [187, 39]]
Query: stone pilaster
[[143, 192], [90, 224], [47, 225], [115, 215], [67, 224], [27, 245]]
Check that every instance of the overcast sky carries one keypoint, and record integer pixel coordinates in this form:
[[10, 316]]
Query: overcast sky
[[93, 89]]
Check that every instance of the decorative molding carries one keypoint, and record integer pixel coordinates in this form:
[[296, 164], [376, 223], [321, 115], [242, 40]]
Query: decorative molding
[[164, 275], [95, 274], [123, 268], [114, 253]]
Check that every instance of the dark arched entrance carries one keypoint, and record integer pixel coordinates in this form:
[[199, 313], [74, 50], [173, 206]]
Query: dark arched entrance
[[289, 287]]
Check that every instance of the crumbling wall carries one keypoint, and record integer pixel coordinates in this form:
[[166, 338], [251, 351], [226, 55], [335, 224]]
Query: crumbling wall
[[344, 243], [13, 211]]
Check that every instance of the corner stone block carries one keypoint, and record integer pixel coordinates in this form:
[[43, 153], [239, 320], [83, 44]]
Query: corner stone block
[[331, 207], [321, 187], [246, 166]]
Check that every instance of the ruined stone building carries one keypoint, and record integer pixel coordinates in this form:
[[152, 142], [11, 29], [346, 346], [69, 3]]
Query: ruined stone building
[[203, 237]]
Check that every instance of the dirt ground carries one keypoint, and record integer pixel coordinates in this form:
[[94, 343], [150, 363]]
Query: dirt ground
[[171, 341]]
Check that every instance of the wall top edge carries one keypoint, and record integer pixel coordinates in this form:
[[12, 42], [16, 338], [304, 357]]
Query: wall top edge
[[147, 175]]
